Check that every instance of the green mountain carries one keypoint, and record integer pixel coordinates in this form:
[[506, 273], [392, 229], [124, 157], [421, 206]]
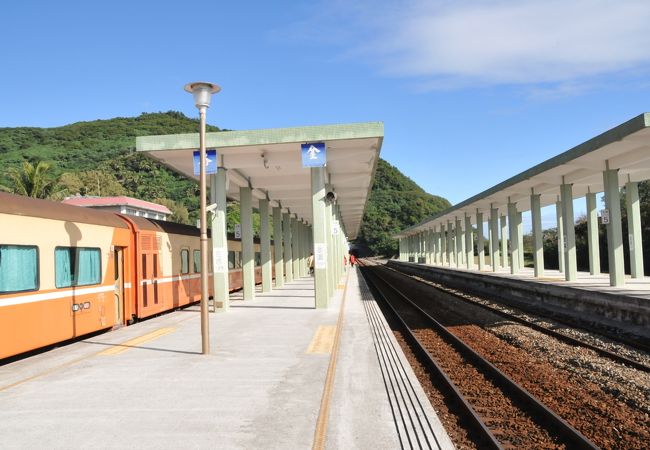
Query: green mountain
[[396, 202], [98, 158]]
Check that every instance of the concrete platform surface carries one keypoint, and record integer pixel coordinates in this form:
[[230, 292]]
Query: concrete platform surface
[[262, 386], [633, 287]]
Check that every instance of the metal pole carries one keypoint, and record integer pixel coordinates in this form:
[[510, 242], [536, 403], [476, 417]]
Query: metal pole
[[205, 332]]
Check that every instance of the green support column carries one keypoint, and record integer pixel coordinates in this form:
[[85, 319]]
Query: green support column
[[570, 264], [443, 245], [422, 247], [219, 241], [329, 217], [414, 248], [592, 234], [514, 237], [301, 248], [504, 241], [479, 240], [494, 239], [277, 247], [295, 248], [520, 236], [304, 268], [614, 228], [438, 244], [338, 257], [265, 246], [248, 251], [288, 258], [400, 246], [319, 236], [458, 234], [634, 228], [469, 243], [538, 246], [450, 244], [560, 235]]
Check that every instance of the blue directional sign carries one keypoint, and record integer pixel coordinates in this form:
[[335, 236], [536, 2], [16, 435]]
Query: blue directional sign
[[314, 155], [210, 160]]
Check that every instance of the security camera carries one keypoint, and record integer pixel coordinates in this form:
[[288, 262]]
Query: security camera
[[330, 196], [211, 208]]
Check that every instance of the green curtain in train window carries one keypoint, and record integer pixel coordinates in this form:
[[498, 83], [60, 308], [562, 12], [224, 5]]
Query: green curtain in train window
[[63, 266], [88, 266], [18, 268], [77, 266]]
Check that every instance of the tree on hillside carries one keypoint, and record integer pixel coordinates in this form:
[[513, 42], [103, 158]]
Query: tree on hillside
[[179, 212], [34, 181], [100, 183], [396, 202]]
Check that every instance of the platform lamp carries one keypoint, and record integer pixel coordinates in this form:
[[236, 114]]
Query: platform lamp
[[202, 93]]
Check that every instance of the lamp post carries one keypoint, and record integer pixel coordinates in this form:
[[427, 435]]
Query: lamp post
[[202, 92]]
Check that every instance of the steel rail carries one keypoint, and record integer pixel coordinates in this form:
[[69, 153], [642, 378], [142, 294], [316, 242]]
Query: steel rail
[[544, 413], [482, 430]]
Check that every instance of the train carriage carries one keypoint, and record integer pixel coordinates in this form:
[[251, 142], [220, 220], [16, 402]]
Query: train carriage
[[67, 271], [58, 272]]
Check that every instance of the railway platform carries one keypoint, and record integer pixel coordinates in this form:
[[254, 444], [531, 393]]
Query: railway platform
[[281, 374], [589, 297]]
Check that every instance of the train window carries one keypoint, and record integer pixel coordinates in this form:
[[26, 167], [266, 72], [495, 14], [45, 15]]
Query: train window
[[238, 260], [77, 266], [155, 265], [197, 261], [258, 259], [185, 261], [231, 260], [18, 268], [144, 266]]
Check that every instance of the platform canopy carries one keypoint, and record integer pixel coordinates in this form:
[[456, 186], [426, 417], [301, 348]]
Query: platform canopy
[[270, 162], [625, 147]]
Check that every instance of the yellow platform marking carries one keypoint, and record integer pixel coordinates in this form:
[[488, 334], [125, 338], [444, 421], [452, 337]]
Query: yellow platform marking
[[124, 346], [320, 434], [323, 339], [66, 364]]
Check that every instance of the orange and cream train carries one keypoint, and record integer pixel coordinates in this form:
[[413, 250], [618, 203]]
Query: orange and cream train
[[67, 271]]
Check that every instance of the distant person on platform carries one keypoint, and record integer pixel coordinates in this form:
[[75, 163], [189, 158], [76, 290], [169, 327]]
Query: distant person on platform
[[310, 263], [353, 260]]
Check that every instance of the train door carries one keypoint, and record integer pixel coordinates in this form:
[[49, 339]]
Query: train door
[[118, 257], [150, 270]]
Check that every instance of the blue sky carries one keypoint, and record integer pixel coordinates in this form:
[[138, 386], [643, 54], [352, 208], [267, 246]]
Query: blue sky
[[470, 92]]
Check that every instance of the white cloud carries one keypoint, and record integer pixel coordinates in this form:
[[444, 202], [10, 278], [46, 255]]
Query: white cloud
[[455, 43]]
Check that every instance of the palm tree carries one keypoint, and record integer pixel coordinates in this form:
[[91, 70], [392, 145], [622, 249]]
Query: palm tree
[[34, 181]]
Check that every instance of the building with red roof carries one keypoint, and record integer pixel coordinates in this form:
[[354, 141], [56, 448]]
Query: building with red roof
[[123, 205]]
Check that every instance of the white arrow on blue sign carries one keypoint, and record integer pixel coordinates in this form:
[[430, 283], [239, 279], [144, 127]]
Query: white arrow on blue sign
[[210, 162], [314, 155]]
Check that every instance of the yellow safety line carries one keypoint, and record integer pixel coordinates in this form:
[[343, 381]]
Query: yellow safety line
[[320, 434], [47, 372], [62, 366], [124, 346], [323, 339]]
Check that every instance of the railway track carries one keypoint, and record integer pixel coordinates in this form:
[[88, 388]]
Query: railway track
[[522, 319], [498, 411], [632, 341]]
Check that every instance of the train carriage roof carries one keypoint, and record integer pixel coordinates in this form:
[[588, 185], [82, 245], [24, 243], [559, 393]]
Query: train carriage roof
[[32, 207]]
